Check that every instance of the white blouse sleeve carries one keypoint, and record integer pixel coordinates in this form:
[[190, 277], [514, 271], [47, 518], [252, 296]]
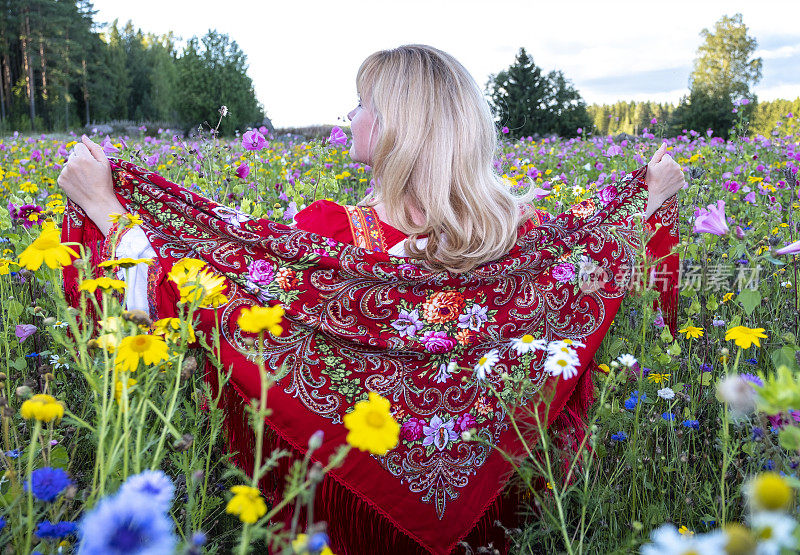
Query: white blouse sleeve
[[134, 244]]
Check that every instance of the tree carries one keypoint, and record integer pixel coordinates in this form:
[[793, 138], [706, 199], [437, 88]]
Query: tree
[[723, 66], [528, 102]]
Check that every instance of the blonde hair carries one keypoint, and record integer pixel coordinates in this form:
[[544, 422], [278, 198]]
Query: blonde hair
[[436, 140]]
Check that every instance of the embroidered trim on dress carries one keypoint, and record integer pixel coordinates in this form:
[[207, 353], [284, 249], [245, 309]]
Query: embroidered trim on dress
[[365, 227]]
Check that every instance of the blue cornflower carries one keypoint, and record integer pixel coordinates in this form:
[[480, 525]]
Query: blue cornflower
[[199, 539], [619, 436], [706, 367], [769, 465], [752, 361], [633, 400], [691, 424], [668, 416], [47, 530], [13, 454], [47, 483], [2, 523], [153, 483], [29, 355], [132, 523], [318, 542]]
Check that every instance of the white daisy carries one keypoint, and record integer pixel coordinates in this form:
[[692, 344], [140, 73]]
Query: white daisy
[[666, 393], [627, 360], [668, 541], [562, 346], [58, 362], [527, 343], [486, 363], [563, 363], [773, 530]]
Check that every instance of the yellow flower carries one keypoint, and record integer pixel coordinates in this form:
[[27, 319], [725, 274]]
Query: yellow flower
[[107, 341], [247, 503], [260, 318], [740, 539], [727, 297], [118, 389], [126, 220], [29, 187], [770, 492], [300, 546], [744, 337], [104, 283], [125, 262], [684, 531], [692, 332], [197, 284], [371, 426], [604, 368], [4, 266], [655, 377], [42, 407], [47, 249], [147, 348], [170, 328]]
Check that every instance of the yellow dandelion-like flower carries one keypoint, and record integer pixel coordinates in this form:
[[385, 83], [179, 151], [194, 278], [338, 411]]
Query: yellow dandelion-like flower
[[655, 377], [5, 266], [104, 283], [684, 531], [692, 332], [260, 318], [42, 407], [147, 348], [29, 187], [206, 288], [170, 328], [126, 220], [118, 389], [125, 262], [247, 503], [371, 426], [47, 249], [745, 337], [727, 297]]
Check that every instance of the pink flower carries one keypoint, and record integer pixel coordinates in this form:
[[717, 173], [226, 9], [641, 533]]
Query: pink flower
[[614, 150], [411, 430], [243, 170], [653, 121], [607, 194], [261, 272], [505, 130], [712, 220], [465, 422], [337, 137], [438, 342], [108, 146], [24, 331], [253, 140], [791, 248], [750, 197], [564, 272]]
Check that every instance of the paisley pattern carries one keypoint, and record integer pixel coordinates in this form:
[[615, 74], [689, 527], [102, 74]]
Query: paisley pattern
[[359, 320]]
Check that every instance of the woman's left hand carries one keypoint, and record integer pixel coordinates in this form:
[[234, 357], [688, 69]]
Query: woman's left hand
[[86, 180]]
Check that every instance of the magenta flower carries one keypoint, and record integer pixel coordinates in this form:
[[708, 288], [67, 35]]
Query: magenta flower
[[438, 342], [337, 137], [465, 422], [712, 220], [243, 170], [750, 197], [653, 121], [505, 130], [411, 430], [791, 248], [564, 272], [607, 194], [261, 272], [614, 150], [24, 331], [253, 140], [108, 146]]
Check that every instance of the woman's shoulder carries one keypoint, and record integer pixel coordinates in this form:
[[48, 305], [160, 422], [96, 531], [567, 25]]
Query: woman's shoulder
[[330, 219]]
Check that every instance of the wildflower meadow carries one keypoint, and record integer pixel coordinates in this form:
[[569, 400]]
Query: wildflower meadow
[[112, 441]]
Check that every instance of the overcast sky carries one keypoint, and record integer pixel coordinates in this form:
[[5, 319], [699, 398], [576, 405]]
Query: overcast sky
[[303, 55]]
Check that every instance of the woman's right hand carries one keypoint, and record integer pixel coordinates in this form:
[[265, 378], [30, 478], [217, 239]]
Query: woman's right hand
[[86, 180], [664, 179]]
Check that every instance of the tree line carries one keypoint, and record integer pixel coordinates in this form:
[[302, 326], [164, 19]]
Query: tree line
[[59, 70], [528, 102]]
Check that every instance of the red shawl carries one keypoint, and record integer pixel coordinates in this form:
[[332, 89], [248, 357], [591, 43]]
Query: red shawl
[[359, 320]]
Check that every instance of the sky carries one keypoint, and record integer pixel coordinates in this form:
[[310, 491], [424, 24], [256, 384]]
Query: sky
[[303, 55]]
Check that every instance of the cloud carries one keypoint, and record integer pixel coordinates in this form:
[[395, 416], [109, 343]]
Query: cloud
[[650, 81]]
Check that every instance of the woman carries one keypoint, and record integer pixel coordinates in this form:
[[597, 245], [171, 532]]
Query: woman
[[431, 293]]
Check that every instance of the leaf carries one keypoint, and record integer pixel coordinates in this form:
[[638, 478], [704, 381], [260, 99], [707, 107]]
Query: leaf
[[14, 309], [59, 457], [789, 438], [749, 299], [19, 364], [785, 356], [704, 378]]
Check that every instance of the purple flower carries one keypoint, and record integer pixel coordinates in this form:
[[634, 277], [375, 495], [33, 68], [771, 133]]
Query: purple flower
[[337, 137], [108, 146], [290, 212], [24, 331], [411, 430], [750, 197], [152, 160], [653, 121], [614, 150], [474, 317], [712, 220], [791, 248], [408, 323], [658, 321], [243, 170], [752, 378], [505, 130], [607, 194], [439, 433], [564, 272], [438, 342], [465, 422], [253, 140], [261, 272], [21, 214]]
